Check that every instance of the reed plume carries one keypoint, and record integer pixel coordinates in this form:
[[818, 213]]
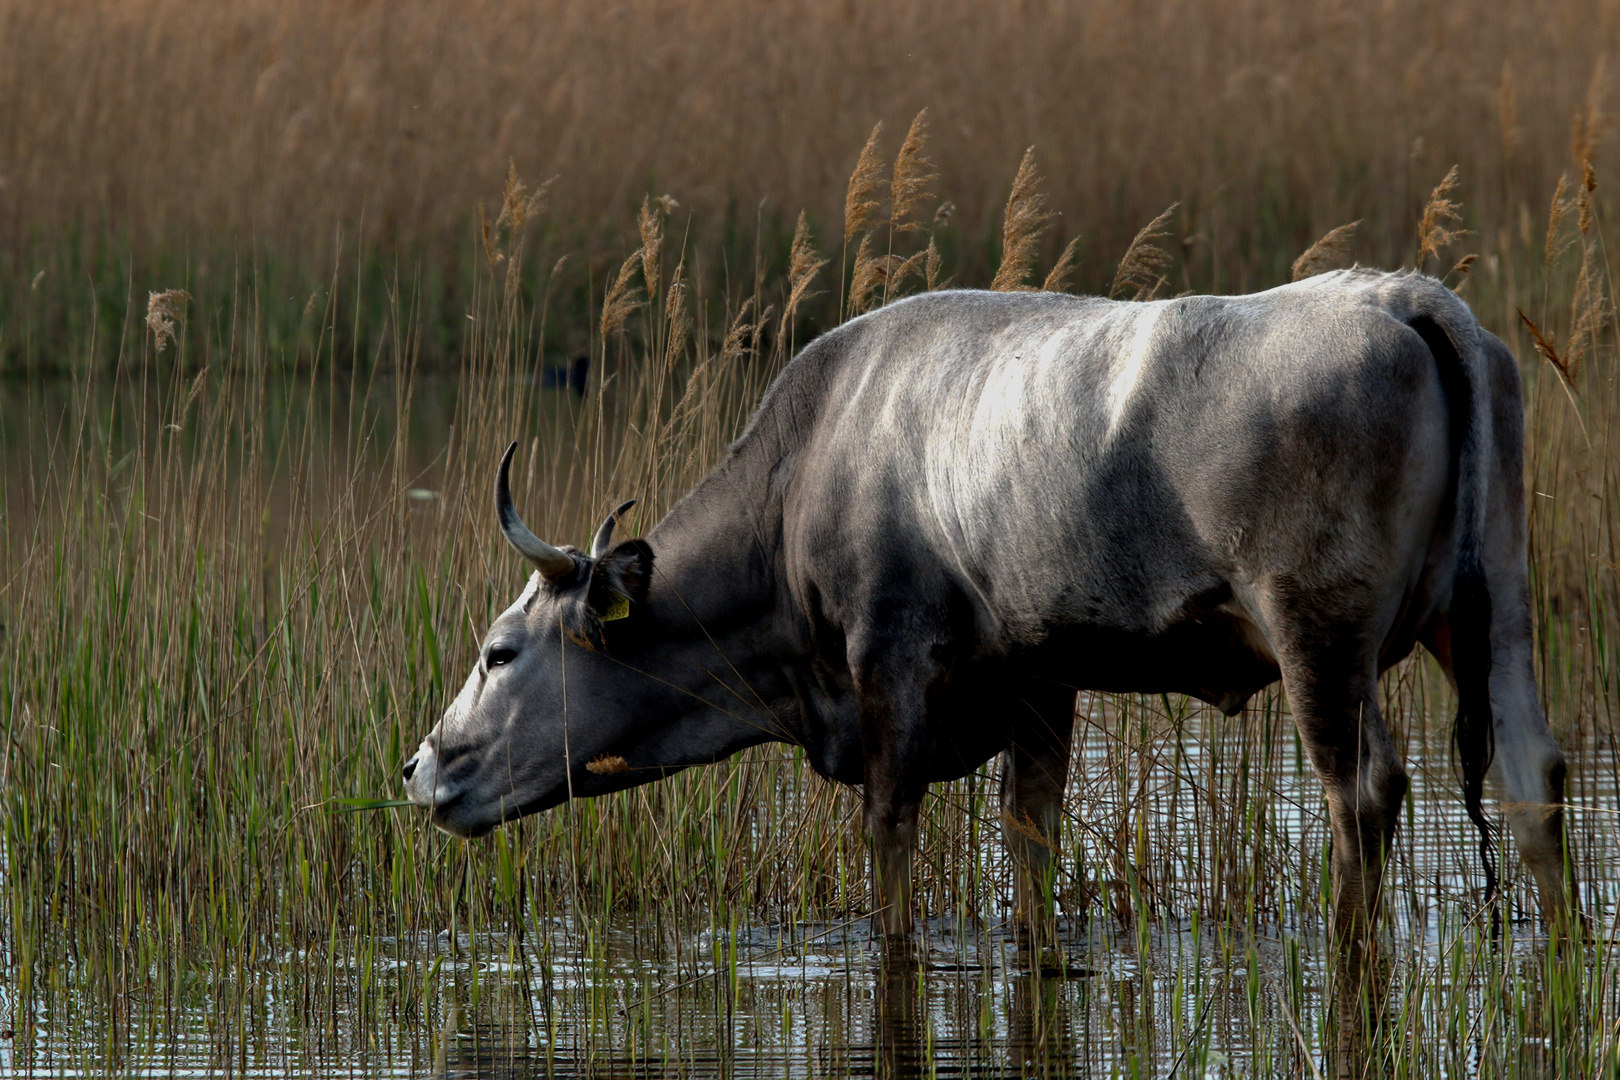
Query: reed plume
[[913, 174], [738, 340], [1544, 345], [1057, 279], [1588, 311], [1556, 213], [677, 320], [518, 203], [804, 263], [931, 266], [1583, 198], [1141, 271], [621, 301], [1021, 226], [862, 198], [871, 271], [898, 270], [1460, 270], [651, 223], [164, 310], [1326, 254], [1441, 222], [1589, 301], [518, 206], [736, 345], [491, 256]]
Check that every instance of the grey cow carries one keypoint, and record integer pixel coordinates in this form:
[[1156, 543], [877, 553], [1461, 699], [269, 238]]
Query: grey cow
[[949, 515]]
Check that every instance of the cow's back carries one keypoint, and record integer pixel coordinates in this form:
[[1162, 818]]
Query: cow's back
[[1047, 461]]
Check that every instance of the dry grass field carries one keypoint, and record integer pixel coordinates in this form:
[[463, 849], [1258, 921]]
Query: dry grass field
[[246, 551], [282, 143]]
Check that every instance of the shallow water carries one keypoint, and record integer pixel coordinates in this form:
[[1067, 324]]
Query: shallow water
[[1173, 992]]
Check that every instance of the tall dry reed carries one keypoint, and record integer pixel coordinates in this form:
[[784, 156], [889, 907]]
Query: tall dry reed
[[180, 143]]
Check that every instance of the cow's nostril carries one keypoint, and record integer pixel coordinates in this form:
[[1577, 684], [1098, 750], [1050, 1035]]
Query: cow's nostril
[[410, 769]]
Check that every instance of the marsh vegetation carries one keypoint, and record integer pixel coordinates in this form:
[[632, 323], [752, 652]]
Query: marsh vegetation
[[246, 548]]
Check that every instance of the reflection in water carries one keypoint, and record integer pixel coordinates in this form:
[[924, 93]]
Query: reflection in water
[[898, 1022], [1019, 1019], [1039, 1039]]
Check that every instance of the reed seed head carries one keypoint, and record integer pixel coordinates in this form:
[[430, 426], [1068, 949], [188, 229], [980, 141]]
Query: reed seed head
[[1022, 224], [1441, 222], [737, 342], [677, 320], [163, 311], [1458, 274], [804, 262], [1326, 254], [518, 203], [1057, 279], [871, 270], [862, 199], [931, 266], [1544, 345], [651, 222], [1589, 310], [1583, 199], [490, 255], [1556, 213], [1142, 269], [620, 302], [913, 174]]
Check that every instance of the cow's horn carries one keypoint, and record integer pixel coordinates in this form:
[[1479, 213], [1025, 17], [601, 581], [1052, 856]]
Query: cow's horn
[[548, 560], [604, 535]]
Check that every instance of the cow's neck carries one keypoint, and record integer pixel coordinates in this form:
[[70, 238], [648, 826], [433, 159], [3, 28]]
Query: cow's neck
[[715, 590]]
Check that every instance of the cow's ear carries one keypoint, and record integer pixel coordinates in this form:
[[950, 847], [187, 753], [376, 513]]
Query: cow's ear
[[620, 579]]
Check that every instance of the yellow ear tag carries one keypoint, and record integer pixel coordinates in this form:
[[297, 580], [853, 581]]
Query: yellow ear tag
[[618, 608]]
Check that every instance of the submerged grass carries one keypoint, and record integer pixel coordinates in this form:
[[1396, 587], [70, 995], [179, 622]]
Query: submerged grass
[[230, 606]]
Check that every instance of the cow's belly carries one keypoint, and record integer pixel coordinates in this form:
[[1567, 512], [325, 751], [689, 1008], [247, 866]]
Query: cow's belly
[[1218, 657]]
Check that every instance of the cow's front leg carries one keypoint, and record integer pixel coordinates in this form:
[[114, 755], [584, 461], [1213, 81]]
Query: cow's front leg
[[891, 824], [1033, 779], [895, 743]]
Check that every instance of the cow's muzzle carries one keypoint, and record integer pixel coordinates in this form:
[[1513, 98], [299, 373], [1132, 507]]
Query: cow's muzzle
[[429, 780]]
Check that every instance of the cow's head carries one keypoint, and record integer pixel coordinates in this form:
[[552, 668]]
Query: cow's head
[[550, 711]]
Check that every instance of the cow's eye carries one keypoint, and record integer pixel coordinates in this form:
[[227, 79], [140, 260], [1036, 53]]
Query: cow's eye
[[500, 654]]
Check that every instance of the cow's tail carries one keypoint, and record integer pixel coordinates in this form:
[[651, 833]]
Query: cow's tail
[[1454, 337]]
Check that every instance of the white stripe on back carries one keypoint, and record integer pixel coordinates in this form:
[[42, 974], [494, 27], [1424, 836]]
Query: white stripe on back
[[1130, 366]]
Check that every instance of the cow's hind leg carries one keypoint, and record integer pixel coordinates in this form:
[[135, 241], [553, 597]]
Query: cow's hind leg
[[1332, 685], [1336, 710], [1033, 778]]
